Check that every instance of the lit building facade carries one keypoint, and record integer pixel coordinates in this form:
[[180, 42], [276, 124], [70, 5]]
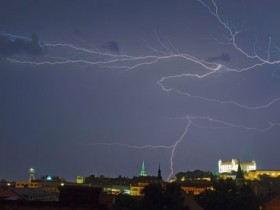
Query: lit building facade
[[32, 185], [195, 190], [228, 167], [137, 189], [80, 180], [252, 175], [50, 183]]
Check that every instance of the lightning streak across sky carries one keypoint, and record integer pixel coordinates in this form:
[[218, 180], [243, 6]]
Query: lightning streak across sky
[[135, 62], [133, 146], [189, 121], [153, 59]]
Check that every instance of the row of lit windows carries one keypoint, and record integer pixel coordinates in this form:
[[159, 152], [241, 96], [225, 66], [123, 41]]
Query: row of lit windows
[[27, 185]]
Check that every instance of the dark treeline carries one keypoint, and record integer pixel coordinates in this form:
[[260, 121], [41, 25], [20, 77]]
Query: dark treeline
[[156, 197], [226, 195]]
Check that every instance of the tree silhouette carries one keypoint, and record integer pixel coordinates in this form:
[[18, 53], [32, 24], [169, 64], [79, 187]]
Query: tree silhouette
[[153, 197], [126, 202], [159, 198], [227, 196]]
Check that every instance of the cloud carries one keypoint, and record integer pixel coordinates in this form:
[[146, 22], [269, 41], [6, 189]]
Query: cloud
[[11, 45], [223, 57], [111, 46]]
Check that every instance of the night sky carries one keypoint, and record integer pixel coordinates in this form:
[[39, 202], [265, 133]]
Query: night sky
[[98, 86]]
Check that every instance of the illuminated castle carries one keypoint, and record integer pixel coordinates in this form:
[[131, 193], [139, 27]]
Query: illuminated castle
[[228, 167]]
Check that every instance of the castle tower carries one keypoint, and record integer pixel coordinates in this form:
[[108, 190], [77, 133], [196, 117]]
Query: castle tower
[[239, 175], [159, 173], [143, 171], [31, 174]]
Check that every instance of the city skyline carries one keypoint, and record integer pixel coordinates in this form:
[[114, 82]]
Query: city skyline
[[98, 87]]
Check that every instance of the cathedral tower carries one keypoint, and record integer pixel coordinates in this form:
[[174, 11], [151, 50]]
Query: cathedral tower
[[159, 173], [143, 171]]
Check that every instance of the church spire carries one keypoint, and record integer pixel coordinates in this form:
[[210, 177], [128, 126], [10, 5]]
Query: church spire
[[159, 172], [239, 175], [143, 171]]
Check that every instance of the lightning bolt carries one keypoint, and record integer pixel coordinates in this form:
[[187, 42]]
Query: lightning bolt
[[133, 146], [190, 120], [188, 124], [232, 40], [213, 68], [134, 62]]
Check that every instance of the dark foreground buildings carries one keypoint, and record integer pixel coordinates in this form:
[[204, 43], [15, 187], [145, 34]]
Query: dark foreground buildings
[[70, 197]]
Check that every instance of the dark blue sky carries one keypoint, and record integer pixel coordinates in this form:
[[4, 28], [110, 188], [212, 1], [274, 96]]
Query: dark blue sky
[[53, 116]]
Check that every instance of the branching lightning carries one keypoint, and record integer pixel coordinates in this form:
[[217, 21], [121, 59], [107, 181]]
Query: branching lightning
[[132, 62], [190, 120], [124, 62]]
